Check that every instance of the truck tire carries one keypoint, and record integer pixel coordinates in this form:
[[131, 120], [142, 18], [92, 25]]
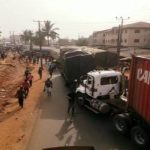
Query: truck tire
[[80, 99], [140, 136], [121, 124]]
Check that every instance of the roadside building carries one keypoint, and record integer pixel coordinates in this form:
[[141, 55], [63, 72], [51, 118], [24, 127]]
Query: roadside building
[[97, 38], [133, 35], [15, 39]]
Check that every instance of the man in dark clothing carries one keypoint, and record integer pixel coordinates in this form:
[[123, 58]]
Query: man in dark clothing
[[74, 85], [26, 86], [20, 95], [34, 60], [71, 105], [40, 72], [52, 67], [30, 78], [48, 86], [26, 73], [50, 71]]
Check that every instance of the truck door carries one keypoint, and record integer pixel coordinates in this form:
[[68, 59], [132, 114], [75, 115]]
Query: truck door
[[89, 85], [107, 83]]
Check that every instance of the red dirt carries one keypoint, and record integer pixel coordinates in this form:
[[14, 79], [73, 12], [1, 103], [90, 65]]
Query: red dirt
[[15, 123]]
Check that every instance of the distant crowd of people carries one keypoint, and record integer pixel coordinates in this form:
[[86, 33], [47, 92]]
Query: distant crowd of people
[[34, 59], [25, 86], [23, 91], [3, 55]]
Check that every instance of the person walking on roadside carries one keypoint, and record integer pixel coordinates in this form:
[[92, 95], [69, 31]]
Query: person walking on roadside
[[48, 86], [26, 73], [40, 72], [3, 56], [51, 68], [20, 95], [30, 78], [34, 60], [26, 86], [71, 104]]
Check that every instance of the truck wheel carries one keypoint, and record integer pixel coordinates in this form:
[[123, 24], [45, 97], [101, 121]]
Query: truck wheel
[[80, 99], [121, 124], [140, 136]]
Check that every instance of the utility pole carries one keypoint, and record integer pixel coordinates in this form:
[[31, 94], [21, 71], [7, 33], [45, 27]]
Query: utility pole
[[40, 39], [12, 38], [14, 41], [119, 40]]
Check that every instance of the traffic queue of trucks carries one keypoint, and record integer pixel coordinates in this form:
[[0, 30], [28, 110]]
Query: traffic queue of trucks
[[100, 90], [82, 61]]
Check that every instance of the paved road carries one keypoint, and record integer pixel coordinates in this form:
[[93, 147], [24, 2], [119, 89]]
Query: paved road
[[52, 129]]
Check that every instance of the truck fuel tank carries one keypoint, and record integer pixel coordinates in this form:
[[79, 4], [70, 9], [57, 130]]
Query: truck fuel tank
[[100, 106]]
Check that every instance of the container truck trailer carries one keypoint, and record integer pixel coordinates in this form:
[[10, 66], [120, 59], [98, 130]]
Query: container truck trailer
[[136, 118], [100, 92]]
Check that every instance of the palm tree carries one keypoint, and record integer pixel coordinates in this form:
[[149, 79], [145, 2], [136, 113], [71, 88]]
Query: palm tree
[[54, 35], [49, 31], [27, 36], [36, 38], [30, 36]]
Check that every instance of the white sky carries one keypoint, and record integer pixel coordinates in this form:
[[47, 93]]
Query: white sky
[[73, 17]]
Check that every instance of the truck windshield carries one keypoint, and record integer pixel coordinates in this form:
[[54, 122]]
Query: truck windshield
[[109, 80]]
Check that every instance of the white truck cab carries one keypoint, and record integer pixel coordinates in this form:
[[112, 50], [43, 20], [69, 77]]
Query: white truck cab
[[100, 83]]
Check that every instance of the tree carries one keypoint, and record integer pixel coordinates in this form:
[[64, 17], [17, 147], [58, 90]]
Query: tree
[[49, 31], [36, 38], [30, 34], [82, 42], [65, 42], [27, 37]]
